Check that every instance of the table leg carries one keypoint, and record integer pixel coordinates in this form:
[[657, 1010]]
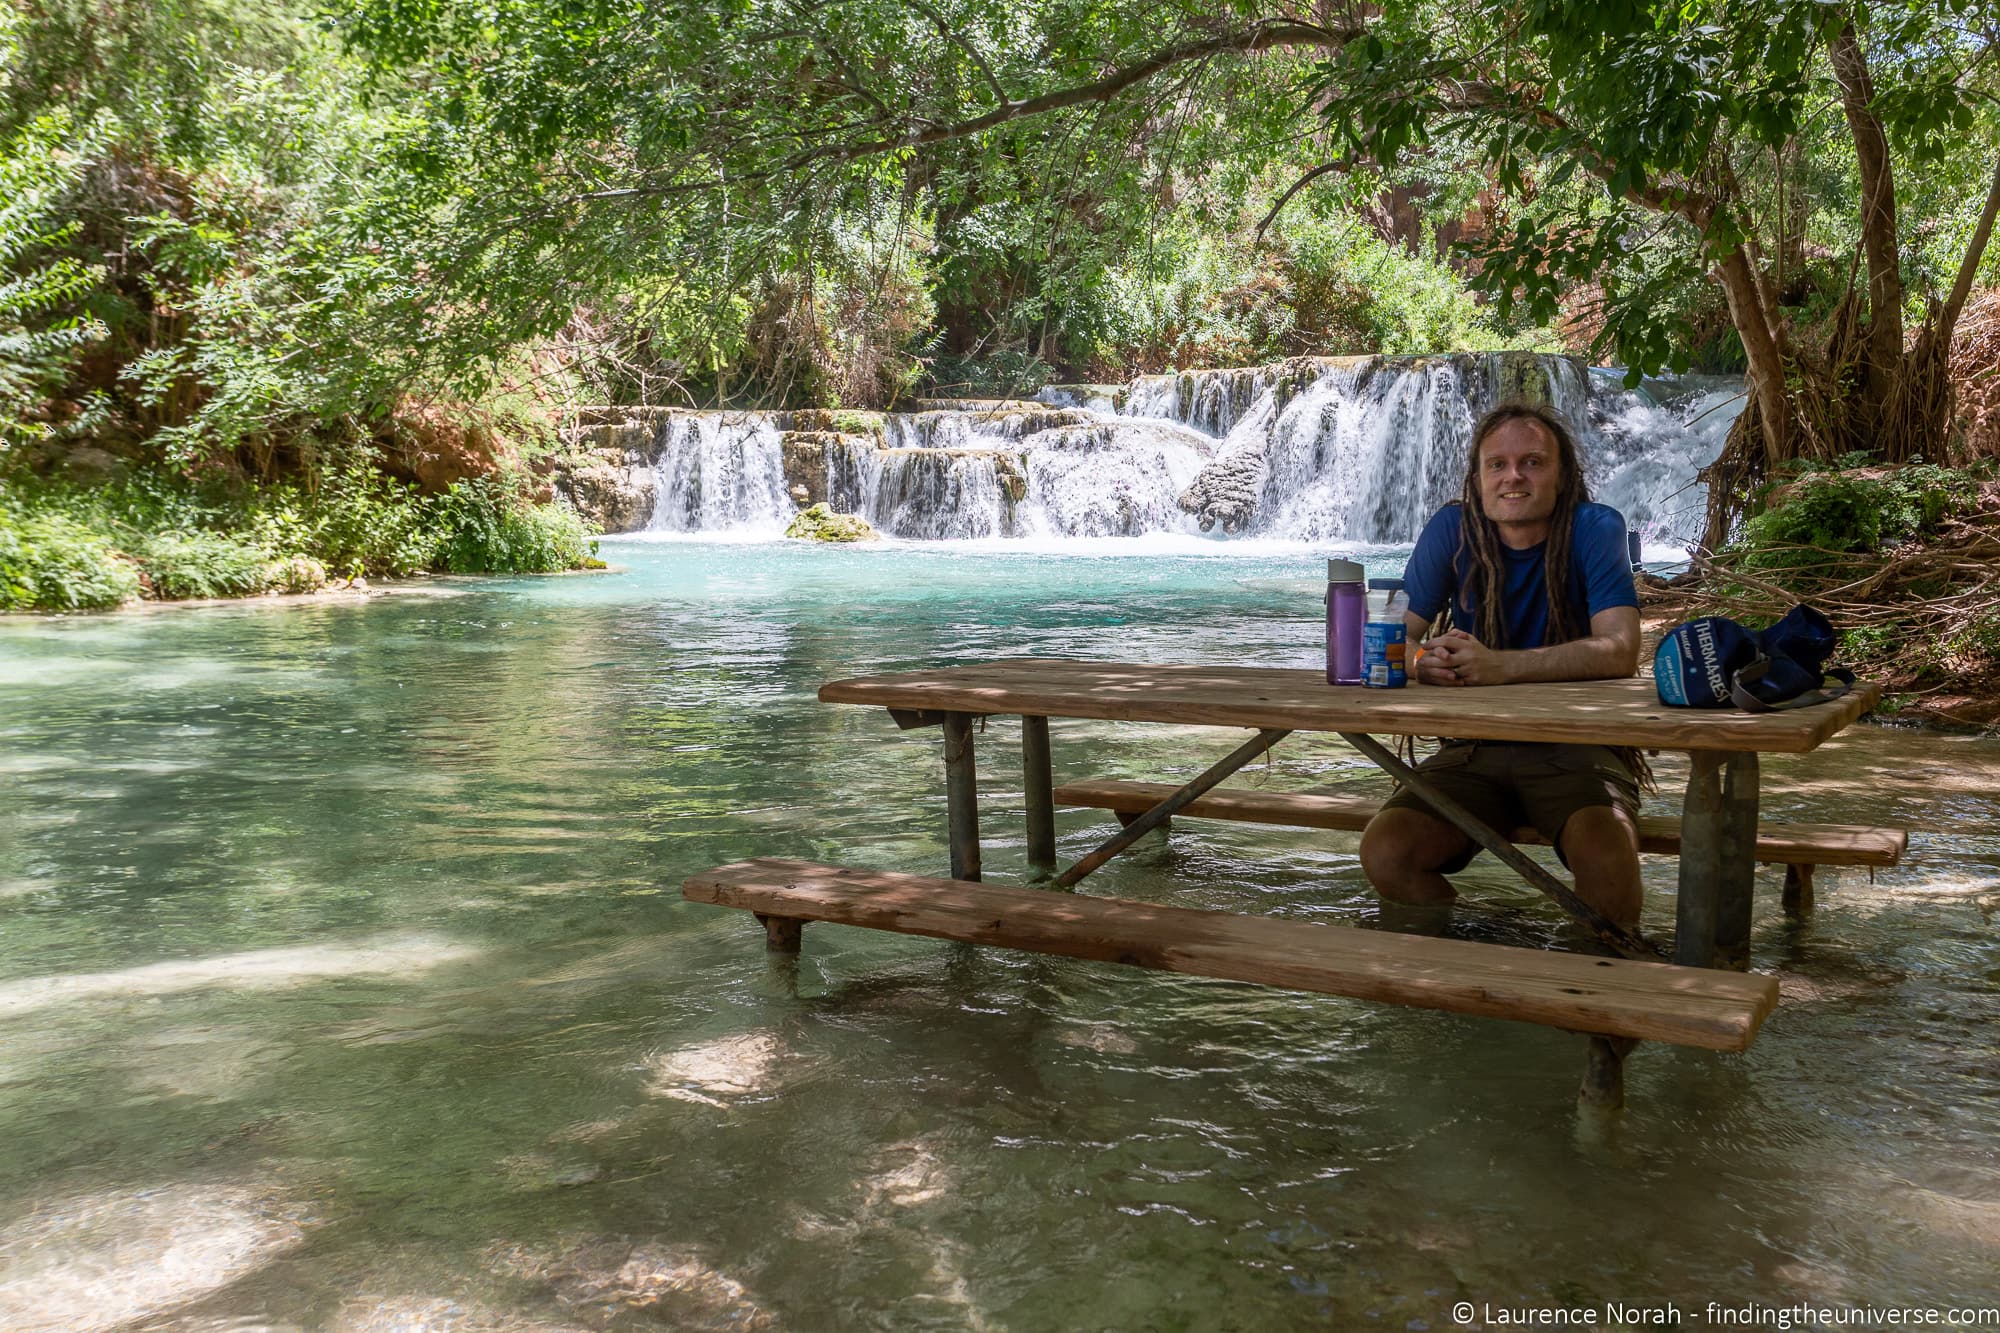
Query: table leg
[[1798, 891], [1039, 784], [1718, 846], [961, 796], [1604, 1073]]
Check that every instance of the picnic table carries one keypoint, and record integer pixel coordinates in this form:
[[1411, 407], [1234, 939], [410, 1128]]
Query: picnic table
[[1696, 1000], [1718, 830]]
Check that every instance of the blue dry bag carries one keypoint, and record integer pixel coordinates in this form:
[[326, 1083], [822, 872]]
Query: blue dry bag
[[1716, 663]]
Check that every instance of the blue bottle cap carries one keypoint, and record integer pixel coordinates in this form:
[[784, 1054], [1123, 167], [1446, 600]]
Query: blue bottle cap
[[1385, 585]]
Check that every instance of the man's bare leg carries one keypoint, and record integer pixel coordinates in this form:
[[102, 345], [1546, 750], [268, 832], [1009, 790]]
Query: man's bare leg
[[1600, 843], [1401, 850]]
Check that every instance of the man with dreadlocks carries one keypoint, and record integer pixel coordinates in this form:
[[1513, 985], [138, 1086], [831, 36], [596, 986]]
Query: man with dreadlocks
[[1537, 584]]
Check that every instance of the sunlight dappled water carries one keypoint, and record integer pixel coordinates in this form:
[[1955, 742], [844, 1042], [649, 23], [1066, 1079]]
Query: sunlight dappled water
[[344, 983]]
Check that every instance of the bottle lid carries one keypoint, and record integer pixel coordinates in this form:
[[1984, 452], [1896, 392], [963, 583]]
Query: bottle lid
[[1344, 571], [1385, 585]]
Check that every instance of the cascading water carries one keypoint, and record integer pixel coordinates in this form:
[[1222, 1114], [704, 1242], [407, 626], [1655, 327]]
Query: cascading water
[[1359, 449], [718, 472], [1365, 455], [1655, 487]]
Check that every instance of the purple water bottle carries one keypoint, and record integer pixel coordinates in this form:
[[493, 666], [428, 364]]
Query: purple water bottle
[[1346, 611]]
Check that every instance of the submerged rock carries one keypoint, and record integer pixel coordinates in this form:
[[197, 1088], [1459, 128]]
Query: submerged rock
[[299, 573], [821, 524]]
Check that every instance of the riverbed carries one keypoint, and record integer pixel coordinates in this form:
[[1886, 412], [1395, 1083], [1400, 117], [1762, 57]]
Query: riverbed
[[345, 983]]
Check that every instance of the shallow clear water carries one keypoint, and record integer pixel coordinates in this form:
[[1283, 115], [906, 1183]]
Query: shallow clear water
[[344, 983]]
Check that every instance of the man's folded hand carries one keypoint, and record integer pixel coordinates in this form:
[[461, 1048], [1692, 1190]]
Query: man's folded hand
[[1456, 658]]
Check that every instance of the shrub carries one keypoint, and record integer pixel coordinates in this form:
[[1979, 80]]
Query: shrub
[[52, 562], [1918, 497], [1850, 508], [198, 563], [488, 527], [356, 521], [299, 573], [1827, 512], [1979, 640]]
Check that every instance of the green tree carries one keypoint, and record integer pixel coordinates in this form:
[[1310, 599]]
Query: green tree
[[1649, 147], [584, 148]]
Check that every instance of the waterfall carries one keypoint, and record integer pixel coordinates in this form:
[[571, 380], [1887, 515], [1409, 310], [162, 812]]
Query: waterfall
[[718, 472], [1654, 486], [1356, 449]]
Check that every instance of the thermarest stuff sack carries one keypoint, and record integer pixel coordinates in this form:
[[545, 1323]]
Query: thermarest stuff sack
[[1716, 663]]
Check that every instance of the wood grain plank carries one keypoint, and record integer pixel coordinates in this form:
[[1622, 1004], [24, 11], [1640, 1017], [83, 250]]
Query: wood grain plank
[[1614, 997], [1777, 844], [1595, 712]]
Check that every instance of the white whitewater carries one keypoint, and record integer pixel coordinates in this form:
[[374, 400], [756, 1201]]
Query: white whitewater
[[1356, 450], [720, 472]]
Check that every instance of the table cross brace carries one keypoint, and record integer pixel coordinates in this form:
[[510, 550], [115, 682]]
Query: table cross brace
[[1166, 809]]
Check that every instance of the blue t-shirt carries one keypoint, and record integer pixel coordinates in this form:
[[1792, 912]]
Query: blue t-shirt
[[1600, 575]]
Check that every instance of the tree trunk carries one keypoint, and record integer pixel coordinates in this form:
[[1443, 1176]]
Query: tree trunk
[[1762, 350], [1878, 224]]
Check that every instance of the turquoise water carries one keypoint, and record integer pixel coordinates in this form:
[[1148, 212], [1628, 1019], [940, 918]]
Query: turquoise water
[[344, 983]]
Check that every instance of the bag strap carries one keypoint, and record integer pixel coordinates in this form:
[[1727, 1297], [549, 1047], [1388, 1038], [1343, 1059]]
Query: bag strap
[[1740, 695]]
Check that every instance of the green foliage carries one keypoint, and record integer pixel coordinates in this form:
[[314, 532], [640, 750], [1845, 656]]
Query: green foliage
[[40, 287], [355, 522], [1840, 510], [1638, 145], [1006, 373], [1825, 512], [1324, 285], [1920, 496], [198, 563], [484, 528], [65, 546], [1871, 643], [52, 562], [1979, 639]]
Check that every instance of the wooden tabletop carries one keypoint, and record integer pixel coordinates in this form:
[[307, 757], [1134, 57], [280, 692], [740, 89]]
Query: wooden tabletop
[[1592, 712]]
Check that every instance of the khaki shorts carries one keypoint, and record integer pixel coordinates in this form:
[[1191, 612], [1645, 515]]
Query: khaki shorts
[[1510, 785]]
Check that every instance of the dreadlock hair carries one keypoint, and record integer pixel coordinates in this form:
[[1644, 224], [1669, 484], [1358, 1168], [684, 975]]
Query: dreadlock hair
[[1479, 561]]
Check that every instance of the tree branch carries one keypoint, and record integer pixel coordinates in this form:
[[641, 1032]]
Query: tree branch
[[1297, 185], [963, 44], [1257, 37], [1968, 267]]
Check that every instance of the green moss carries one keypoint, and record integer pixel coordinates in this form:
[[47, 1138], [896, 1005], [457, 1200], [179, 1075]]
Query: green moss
[[856, 423], [821, 524]]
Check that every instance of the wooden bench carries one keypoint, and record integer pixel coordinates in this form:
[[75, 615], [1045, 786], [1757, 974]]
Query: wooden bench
[[1607, 998], [1797, 847]]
